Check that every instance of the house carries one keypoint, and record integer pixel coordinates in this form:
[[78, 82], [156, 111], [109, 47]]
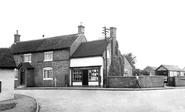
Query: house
[[150, 70], [68, 60], [45, 62], [89, 65], [7, 73], [128, 68], [169, 71]]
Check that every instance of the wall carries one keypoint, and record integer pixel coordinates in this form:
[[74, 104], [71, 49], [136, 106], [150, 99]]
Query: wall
[[129, 82], [7, 83], [176, 81]]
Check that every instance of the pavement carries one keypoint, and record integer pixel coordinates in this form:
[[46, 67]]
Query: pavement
[[29, 104], [20, 103]]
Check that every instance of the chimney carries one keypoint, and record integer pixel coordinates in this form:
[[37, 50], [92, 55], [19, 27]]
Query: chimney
[[16, 37], [81, 29], [114, 46]]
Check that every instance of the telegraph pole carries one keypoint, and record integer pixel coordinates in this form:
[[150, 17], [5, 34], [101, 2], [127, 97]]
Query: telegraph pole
[[105, 33]]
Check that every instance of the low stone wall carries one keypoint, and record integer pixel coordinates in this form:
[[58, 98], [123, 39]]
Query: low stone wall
[[176, 81], [129, 82]]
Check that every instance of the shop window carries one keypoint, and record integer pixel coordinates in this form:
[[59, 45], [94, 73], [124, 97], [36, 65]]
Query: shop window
[[93, 74], [48, 73], [77, 75]]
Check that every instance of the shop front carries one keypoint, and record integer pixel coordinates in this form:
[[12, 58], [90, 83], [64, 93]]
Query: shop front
[[86, 72]]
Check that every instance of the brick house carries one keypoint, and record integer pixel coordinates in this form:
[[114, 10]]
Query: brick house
[[7, 73], [150, 70], [68, 60], [45, 62]]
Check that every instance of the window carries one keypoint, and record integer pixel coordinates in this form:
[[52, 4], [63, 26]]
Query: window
[[27, 57], [48, 56], [77, 75], [48, 73], [93, 74]]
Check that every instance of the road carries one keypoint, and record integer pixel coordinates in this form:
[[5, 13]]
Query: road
[[172, 100]]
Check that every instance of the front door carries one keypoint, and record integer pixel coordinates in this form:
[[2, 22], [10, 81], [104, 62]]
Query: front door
[[22, 77], [85, 78]]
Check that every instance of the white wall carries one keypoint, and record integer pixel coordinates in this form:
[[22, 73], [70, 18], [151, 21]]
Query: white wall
[[87, 62], [7, 84]]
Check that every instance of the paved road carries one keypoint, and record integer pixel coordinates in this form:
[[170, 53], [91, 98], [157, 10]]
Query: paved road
[[172, 100]]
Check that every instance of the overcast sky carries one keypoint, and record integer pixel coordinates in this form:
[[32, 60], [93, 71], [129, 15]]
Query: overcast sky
[[153, 30]]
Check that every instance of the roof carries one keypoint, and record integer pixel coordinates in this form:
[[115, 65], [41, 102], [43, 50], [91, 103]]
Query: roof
[[46, 44], [171, 67], [90, 49], [6, 58], [26, 65], [152, 67]]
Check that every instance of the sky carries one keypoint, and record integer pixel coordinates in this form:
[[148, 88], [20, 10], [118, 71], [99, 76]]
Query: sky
[[152, 30]]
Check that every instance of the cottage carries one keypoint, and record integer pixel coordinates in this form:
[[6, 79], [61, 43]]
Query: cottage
[[150, 70], [45, 62], [7, 73], [169, 70]]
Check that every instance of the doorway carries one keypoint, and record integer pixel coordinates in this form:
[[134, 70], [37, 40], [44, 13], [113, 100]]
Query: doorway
[[85, 78], [22, 77]]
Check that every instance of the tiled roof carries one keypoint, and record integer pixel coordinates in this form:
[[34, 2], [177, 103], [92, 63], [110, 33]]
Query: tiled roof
[[154, 68], [90, 49], [25, 64], [172, 67], [46, 44], [6, 58]]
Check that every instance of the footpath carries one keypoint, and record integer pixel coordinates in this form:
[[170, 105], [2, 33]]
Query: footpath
[[20, 103], [23, 103]]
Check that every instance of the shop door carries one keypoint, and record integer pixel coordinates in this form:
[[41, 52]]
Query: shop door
[[85, 78]]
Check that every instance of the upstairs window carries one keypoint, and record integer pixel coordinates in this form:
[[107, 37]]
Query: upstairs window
[[48, 73], [48, 56], [27, 57]]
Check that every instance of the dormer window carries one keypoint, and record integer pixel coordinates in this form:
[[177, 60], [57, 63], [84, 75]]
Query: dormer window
[[27, 58], [48, 56]]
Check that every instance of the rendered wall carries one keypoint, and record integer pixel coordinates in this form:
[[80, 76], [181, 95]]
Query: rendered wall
[[7, 84]]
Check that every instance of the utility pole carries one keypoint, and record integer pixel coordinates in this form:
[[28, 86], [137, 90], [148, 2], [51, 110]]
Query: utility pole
[[105, 33]]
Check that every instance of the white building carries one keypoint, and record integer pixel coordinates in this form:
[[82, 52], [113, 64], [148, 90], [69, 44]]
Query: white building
[[7, 73]]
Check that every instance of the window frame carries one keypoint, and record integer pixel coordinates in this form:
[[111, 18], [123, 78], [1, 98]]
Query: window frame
[[48, 78], [45, 57], [77, 75], [93, 72], [26, 55]]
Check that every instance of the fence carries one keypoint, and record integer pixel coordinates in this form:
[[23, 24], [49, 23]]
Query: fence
[[129, 82]]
